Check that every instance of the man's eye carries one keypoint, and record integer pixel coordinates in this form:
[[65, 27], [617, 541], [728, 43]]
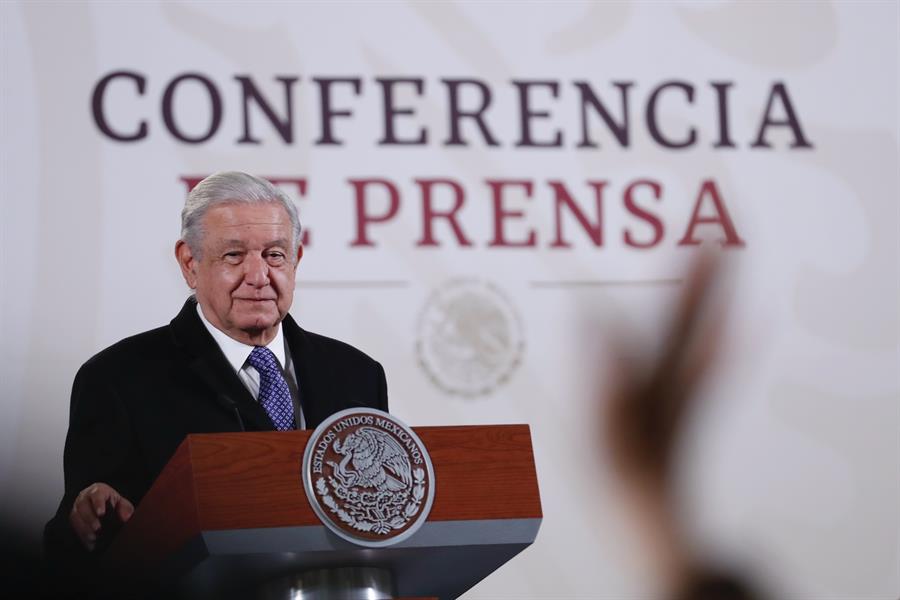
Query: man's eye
[[275, 257], [233, 257]]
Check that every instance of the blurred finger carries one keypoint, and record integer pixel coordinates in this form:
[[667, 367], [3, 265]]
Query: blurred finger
[[84, 511], [706, 348], [82, 525], [698, 285], [124, 509], [98, 497]]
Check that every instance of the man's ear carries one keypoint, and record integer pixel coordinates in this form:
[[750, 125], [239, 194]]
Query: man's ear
[[299, 256], [187, 262]]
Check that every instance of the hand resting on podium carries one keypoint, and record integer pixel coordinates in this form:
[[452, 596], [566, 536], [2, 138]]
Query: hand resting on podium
[[97, 509]]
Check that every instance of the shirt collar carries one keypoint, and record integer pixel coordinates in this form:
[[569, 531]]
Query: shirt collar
[[236, 352]]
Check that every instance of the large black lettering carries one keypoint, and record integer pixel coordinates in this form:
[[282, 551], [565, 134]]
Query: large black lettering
[[457, 113], [653, 125], [590, 100], [284, 126], [790, 119], [140, 83], [329, 113], [215, 105], [527, 114], [391, 111], [721, 88]]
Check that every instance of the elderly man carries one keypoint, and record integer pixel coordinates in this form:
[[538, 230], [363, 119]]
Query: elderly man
[[233, 359]]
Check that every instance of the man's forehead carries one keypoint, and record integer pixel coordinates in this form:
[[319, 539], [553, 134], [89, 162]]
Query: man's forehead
[[238, 213], [231, 217]]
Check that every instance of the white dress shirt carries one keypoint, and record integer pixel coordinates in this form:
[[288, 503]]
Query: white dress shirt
[[237, 354]]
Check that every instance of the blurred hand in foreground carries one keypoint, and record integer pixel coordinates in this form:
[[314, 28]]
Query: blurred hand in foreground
[[651, 400]]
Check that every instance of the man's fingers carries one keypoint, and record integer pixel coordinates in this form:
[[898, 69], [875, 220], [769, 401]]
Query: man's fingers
[[90, 506], [98, 495], [699, 284], [84, 511], [84, 522], [124, 509], [81, 529], [88, 540]]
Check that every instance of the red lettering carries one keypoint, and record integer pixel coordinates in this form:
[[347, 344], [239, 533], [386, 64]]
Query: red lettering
[[562, 198], [191, 181], [363, 218], [633, 208], [721, 218], [429, 213], [501, 214]]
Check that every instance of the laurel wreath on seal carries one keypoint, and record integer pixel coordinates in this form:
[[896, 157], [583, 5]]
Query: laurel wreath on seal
[[394, 519]]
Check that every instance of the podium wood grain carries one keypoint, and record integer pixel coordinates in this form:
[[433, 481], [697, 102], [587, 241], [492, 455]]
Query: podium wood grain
[[233, 481]]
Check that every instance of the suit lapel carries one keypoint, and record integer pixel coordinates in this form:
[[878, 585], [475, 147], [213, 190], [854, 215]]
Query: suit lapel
[[208, 364], [321, 376], [309, 375]]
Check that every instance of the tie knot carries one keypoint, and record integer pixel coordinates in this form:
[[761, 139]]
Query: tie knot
[[263, 359]]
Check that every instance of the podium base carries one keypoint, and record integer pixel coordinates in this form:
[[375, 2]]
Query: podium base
[[346, 583]]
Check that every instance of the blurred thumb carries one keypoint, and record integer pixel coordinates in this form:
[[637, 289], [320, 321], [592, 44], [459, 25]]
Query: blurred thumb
[[124, 509]]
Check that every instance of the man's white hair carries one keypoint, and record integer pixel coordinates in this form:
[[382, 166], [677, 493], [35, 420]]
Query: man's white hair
[[231, 187]]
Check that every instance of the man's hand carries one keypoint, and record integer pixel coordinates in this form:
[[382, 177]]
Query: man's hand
[[653, 398], [651, 401], [91, 505]]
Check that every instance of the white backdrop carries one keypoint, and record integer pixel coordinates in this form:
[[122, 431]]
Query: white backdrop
[[795, 466]]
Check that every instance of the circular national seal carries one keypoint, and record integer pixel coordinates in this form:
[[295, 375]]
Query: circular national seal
[[469, 338], [368, 477]]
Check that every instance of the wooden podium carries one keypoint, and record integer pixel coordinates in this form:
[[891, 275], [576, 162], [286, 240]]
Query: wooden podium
[[229, 513]]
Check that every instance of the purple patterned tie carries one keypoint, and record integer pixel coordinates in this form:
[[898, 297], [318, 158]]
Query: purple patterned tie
[[274, 394]]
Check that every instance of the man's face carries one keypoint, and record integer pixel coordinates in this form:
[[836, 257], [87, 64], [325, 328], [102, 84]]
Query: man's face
[[244, 276]]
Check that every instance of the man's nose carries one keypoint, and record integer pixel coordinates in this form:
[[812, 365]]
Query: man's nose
[[256, 271]]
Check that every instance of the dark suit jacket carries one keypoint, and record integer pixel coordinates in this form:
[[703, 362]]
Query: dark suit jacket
[[133, 404]]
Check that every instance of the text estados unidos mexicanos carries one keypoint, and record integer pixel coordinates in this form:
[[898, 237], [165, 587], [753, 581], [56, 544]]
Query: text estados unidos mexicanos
[[359, 420]]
